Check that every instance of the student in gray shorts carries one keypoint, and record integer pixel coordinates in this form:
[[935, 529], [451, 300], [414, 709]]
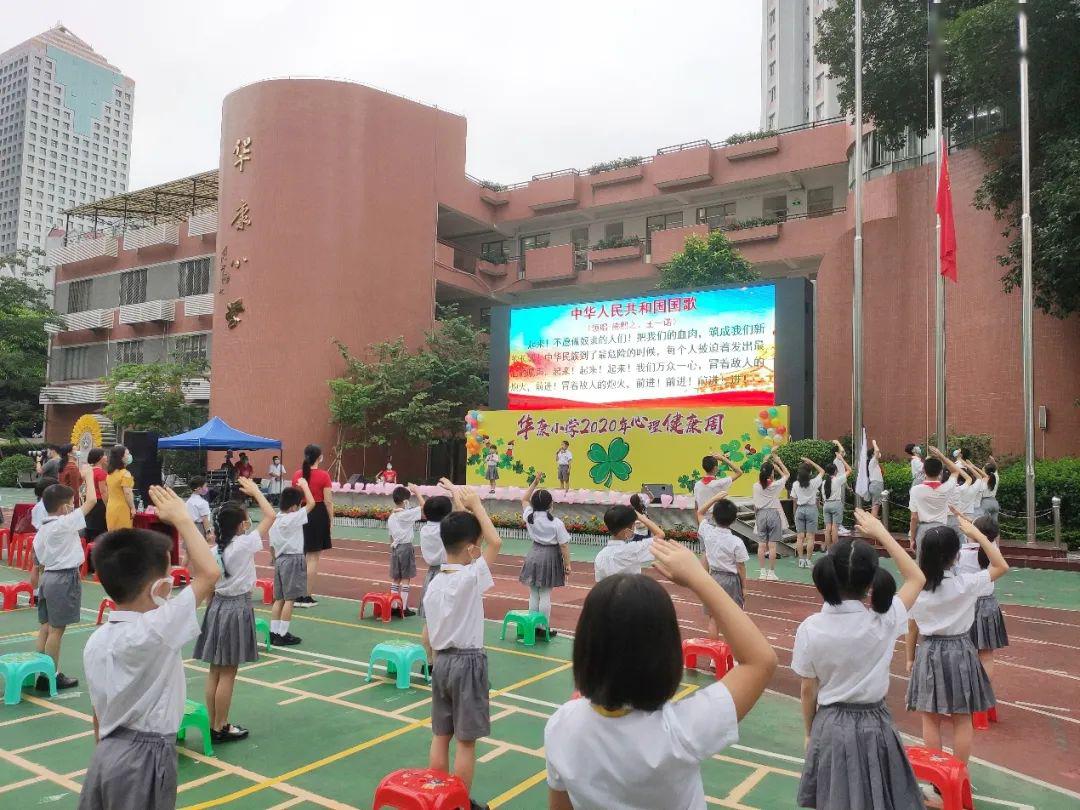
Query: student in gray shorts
[[290, 567], [454, 609], [58, 552], [402, 525]]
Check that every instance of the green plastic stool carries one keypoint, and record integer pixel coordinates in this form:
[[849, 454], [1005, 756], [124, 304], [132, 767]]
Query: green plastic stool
[[22, 669], [399, 657], [196, 716], [262, 627], [527, 621]]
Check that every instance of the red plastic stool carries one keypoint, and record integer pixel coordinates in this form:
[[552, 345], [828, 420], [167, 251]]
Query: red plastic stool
[[382, 604], [5, 535], [948, 774], [715, 650], [84, 569], [421, 789], [267, 586], [21, 551], [180, 576], [10, 594], [105, 603]]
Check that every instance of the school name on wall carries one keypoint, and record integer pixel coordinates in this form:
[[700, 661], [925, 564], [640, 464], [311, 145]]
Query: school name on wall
[[675, 422]]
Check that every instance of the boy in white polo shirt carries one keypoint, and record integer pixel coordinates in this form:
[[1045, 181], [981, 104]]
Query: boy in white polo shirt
[[133, 663], [290, 568], [59, 554], [710, 485], [198, 508], [929, 501], [454, 609], [623, 554]]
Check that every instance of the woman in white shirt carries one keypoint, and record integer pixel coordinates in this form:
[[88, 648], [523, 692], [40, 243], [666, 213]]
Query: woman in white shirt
[[948, 682], [876, 481], [768, 519], [832, 495], [275, 476], [547, 564], [804, 491], [227, 638], [854, 757]]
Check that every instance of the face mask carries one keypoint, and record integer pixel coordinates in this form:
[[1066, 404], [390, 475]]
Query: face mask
[[160, 601], [389, 466], [204, 491], [127, 459]]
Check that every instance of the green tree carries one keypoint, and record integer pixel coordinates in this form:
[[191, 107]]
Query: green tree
[[24, 345], [151, 397], [980, 75], [705, 262]]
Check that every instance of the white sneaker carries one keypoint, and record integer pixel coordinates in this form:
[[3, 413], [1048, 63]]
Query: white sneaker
[[771, 576], [762, 574]]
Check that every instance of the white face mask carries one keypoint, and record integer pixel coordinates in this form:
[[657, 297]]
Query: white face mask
[[161, 601]]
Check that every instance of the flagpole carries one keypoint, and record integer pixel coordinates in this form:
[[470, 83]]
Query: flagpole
[[939, 280], [1026, 290], [857, 280]]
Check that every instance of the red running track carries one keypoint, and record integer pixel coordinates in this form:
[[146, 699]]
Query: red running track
[[1040, 668]]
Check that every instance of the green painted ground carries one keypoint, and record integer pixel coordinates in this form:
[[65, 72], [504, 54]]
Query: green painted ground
[[320, 732]]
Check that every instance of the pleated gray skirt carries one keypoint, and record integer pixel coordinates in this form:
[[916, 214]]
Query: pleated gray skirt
[[543, 567], [227, 638], [403, 561], [856, 761], [988, 630], [947, 677]]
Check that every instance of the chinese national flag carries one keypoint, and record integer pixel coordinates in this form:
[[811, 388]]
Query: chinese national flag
[[948, 226]]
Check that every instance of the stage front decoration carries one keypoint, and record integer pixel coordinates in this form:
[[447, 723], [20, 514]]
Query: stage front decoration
[[92, 430]]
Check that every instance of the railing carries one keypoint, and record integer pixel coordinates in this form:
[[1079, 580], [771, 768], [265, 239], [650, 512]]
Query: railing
[[167, 233], [559, 173], [682, 147], [730, 223], [82, 250]]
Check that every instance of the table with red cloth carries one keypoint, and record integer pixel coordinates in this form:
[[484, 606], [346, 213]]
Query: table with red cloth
[[149, 520]]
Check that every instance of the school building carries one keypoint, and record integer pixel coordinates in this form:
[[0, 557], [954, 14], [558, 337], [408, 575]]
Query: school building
[[339, 212]]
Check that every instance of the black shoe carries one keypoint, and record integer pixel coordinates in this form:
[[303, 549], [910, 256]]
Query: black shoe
[[64, 682], [289, 640], [310, 601], [229, 733], [42, 683], [550, 634], [305, 602], [475, 805], [405, 614]]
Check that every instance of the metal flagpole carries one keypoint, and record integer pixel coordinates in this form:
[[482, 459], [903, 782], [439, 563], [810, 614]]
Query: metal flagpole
[[1026, 291], [939, 280], [857, 281]]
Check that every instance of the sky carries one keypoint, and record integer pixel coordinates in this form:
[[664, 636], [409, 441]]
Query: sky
[[544, 85]]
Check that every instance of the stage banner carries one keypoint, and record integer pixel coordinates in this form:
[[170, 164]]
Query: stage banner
[[622, 448]]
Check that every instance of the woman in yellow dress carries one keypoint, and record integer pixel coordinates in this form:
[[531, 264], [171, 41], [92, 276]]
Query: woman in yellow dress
[[121, 503]]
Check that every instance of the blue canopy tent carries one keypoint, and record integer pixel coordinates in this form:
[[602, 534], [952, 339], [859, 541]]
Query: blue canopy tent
[[217, 435]]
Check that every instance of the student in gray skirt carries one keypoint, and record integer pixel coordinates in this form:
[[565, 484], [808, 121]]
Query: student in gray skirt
[[725, 553], [854, 757], [134, 665], [402, 524], [227, 638], [548, 562], [988, 630], [290, 564], [948, 682]]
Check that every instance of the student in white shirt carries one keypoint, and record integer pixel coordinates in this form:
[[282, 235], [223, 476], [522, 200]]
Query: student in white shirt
[[989, 504], [491, 462], [624, 743], [705, 488], [227, 638], [916, 461], [198, 508], [401, 524], [929, 501], [36, 518], [134, 666], [547, 565], [768, 517], [624, 554], [59, 553], [988, 631], [563, 459], [435, 509], [725, 553], [854, 756], [832, 495], [948, 682], [874, 476], [454, 609], [804, 491], [290, 564], [963, 497]]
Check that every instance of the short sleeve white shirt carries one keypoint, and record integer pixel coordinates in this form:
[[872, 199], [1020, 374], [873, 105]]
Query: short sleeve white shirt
[[917, 474], [836, 489], [239, 560], [950, 610], [287, 533], [968, 563], [545, 529], [431, 544], [38, 515], [931, 503], [768, 497], [621, 557], [969, 497], [724, 550], [401, 524], [848, 648], [708, 488], [563, 457], [198, 508], [454, 605], [807, 496], [57, 543], [659, 754], [134, 668], [873, 469]]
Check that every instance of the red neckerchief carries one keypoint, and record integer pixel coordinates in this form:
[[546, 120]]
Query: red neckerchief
[[932, 484], [708, 479]]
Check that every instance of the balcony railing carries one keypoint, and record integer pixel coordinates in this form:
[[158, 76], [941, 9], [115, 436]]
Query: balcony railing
[[83, 250], [90, 319], [76, 394], [167, 233], [148, 312], [199, 304]]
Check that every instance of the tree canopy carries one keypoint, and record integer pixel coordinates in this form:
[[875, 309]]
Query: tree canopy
[[705, 262], [980, 77], [150, 396]]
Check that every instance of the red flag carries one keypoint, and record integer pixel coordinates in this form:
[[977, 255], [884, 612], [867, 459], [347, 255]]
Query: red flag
[[948, 226]]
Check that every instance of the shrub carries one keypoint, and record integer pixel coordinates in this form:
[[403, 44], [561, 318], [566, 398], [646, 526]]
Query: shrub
[[976, 446], [817, 450], [754, 222], [617, 242], [1060, 477], [618, 163], [743, 137], [19, 447], [491, 185], [11, 467]]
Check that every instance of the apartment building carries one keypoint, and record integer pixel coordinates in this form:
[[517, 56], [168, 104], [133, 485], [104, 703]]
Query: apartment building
[[795, 86]]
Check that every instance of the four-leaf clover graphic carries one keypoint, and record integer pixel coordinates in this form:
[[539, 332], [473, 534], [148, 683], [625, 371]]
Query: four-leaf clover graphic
[[609, 463]]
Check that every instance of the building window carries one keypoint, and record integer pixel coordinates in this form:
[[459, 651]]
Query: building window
[[79, 295], [495, 251], [661, 222], [190, 349], [613, 230], [129, 351], [73, 363], [775, 207], [716, 216], [540, 240], [193, 277], [819, 201], [133, 287]]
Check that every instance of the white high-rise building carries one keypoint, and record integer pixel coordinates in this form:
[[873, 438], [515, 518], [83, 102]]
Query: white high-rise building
[[65, 134], [795, 87]]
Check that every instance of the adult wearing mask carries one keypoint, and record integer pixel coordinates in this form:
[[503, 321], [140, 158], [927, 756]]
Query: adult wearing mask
[[120, 510], [95, 520], [317, 528]]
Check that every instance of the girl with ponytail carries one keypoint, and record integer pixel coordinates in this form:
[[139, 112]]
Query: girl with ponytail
[[227, 638], [548, 562], [854, 756], [317, 528], [768, 517], [832, 491], [804, 491]]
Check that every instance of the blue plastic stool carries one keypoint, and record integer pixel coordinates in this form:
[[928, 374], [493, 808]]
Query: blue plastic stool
[[196, 716], [18, 668], [526, 622], [399, 657], [262, 628]]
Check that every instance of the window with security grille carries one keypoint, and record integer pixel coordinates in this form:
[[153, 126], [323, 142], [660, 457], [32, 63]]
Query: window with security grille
[[189, 349], [133, 287], [79, 295], [73, 363], [129, 351], [194, 277]]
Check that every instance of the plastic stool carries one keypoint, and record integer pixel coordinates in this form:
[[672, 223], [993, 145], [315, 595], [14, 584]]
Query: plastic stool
[[196, 716], [382, 604], [105, 603], [180, 576], [21, 548], [267, 586], [18, 668], [991, 713], [527, 622], [5, 536], [85, 567], [715, 650], [421, 789], [262, 628], [948, 774], [11, 593], [399, 657]]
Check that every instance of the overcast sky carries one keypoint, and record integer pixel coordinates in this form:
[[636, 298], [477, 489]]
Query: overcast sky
[[544, 85]]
